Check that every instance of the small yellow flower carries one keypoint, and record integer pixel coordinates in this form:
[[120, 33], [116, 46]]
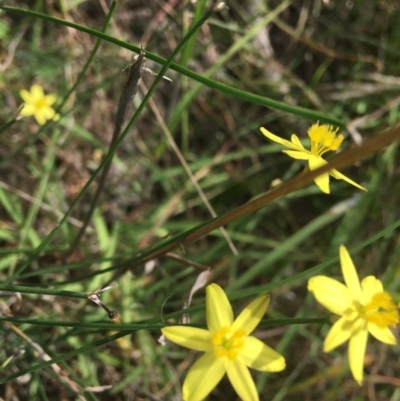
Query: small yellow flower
[[323, 139], [38, 104], [364, 309], [228, 348]]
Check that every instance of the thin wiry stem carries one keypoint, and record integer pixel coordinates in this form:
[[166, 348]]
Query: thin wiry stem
[[125, 102]]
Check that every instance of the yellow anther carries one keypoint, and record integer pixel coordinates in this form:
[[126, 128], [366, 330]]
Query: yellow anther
[[381, 310], [228, 343], [323, 139]]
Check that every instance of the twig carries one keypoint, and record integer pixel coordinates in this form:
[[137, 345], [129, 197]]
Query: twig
[[128, 93], [187, 262]]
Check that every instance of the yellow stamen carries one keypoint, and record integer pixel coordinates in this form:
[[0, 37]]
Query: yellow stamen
[[381, 310], [323, 139], [228, 343]]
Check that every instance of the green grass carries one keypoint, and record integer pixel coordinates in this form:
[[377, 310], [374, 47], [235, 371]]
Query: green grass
[[226, 85]]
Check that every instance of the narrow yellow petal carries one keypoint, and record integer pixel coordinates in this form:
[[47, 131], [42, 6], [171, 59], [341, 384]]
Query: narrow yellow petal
[[316, 161], [251, 315], [242, 381], [322, 181], [370, 286], [40, 117], [218, 309], [383, 334], [44, 114], [256, 355], [296, 141], [37, 92], [349, 272], [50, 99], [26, 96], [280, 140], [48, 113], [295, 154], [202, 377], [338, 334], [339, 176], [28, 110], [357, 347], [330, 293], [189, 337]]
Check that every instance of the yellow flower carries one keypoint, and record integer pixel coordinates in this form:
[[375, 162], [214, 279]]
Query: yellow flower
[[228, 348], [364, 309], [323, 139], [37, 104]]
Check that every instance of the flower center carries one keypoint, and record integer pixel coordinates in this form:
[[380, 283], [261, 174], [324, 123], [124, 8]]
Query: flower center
[[381, 310], [227, 342], [323, 138], [40, 103]]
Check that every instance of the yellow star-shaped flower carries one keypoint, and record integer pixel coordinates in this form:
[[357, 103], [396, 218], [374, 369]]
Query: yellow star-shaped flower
[[323, 139], [38, 104], [364, 308], [228, 348]]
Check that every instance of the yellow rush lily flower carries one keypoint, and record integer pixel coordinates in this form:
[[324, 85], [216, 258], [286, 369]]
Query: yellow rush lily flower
[[228, 348], [38, 104], [323, 139], [364, 309]]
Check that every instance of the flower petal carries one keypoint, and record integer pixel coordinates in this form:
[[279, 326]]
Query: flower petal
[[242, 381], [295, 154], [256, 355], [40, 117], [339, 176], [383, 334], [338, 334], [218, 309], [202, 377], [370, 286], [296, 141], [349, 272], [48, 113], [37, 92], [280, 140], [357, 347], [330, 293], [28, 110], [251, 315], [26, 96], [44, 114], [189, 337], [316, 162], [50, 99], [322, 181]]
